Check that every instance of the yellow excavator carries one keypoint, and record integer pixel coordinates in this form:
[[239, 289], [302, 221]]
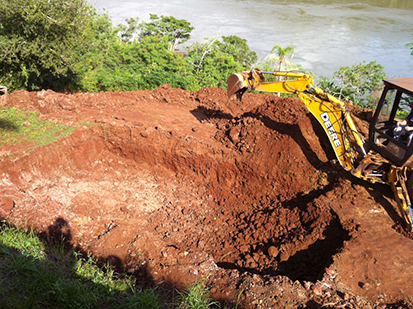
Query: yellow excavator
[[387, 156]]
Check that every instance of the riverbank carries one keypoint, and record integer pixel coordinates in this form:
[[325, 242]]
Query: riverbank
[[326, 34]]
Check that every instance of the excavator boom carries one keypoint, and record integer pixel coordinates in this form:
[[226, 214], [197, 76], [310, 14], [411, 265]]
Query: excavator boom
[[330, 112], [347, 142], [238, 83]]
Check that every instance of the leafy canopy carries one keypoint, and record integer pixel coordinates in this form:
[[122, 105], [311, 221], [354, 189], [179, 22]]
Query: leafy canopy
[[121, 59], [283, 53], [174, 31], [40, 40], [360, 83], [66, 45], [135, 65], [215, 60]]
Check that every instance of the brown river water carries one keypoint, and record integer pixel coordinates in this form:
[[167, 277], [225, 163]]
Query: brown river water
[[326, 34]]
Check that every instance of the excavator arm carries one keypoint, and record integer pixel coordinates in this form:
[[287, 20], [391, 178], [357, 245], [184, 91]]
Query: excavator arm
[[330, 112]]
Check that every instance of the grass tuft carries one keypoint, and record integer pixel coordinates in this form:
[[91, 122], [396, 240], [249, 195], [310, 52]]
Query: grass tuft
[[26, 242], [17, 126], [35, 275], [196, 297]]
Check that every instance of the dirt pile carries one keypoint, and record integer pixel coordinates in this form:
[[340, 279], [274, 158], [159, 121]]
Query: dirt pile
[[182, 185]]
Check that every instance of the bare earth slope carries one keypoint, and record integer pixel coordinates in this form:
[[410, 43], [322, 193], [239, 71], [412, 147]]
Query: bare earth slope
[[180, 186]]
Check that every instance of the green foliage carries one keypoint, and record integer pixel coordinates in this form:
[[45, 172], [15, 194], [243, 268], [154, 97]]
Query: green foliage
[[214, 60], [174, 31], [35, 273], [66, 45], [147, 63], [40, 41], [282, 55], [360, 83], [144, 299], [274, 62], [239, 49], [135, 65], [26, 242], [120, 59], [127, 33]]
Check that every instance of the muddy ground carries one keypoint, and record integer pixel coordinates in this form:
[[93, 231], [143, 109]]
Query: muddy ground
[[175, 186]]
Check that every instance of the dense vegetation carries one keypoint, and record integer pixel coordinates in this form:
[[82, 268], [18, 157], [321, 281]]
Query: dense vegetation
[[40, 42], [361, 83], [67, 46]]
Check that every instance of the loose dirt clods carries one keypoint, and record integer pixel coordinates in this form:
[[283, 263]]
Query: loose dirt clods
[[180, 186]]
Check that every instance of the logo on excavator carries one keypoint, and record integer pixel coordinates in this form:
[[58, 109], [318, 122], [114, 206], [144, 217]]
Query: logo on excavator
[[329, 126]]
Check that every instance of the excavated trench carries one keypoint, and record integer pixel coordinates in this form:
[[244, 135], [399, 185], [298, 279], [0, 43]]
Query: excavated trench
[[180, 186], [248, 179], [246, 223], [267, 225], [300, 250]]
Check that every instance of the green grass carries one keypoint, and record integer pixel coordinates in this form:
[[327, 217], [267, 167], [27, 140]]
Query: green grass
[[196, 297], [17, 126], [35, 274]]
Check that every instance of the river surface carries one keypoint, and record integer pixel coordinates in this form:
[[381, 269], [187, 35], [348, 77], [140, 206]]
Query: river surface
[[326, 34]]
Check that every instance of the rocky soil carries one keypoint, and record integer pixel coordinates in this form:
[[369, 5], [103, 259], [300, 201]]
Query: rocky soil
[[176, 186]]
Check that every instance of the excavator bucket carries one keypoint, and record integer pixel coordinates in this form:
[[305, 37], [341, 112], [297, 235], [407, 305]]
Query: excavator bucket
[[236, 85]]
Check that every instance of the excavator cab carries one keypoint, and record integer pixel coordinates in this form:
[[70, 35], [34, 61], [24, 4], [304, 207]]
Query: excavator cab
[[391, 129]]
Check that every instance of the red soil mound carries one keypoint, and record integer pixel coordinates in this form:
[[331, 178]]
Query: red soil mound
[[183, 185]]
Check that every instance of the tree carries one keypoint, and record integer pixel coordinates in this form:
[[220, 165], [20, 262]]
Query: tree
[[283, 54], [239, 49], [40, 41], [174, 31], [128, 33], [281, 58], [360, 83], [136, 65], [122, 58], [215, 60], [66, 45]]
